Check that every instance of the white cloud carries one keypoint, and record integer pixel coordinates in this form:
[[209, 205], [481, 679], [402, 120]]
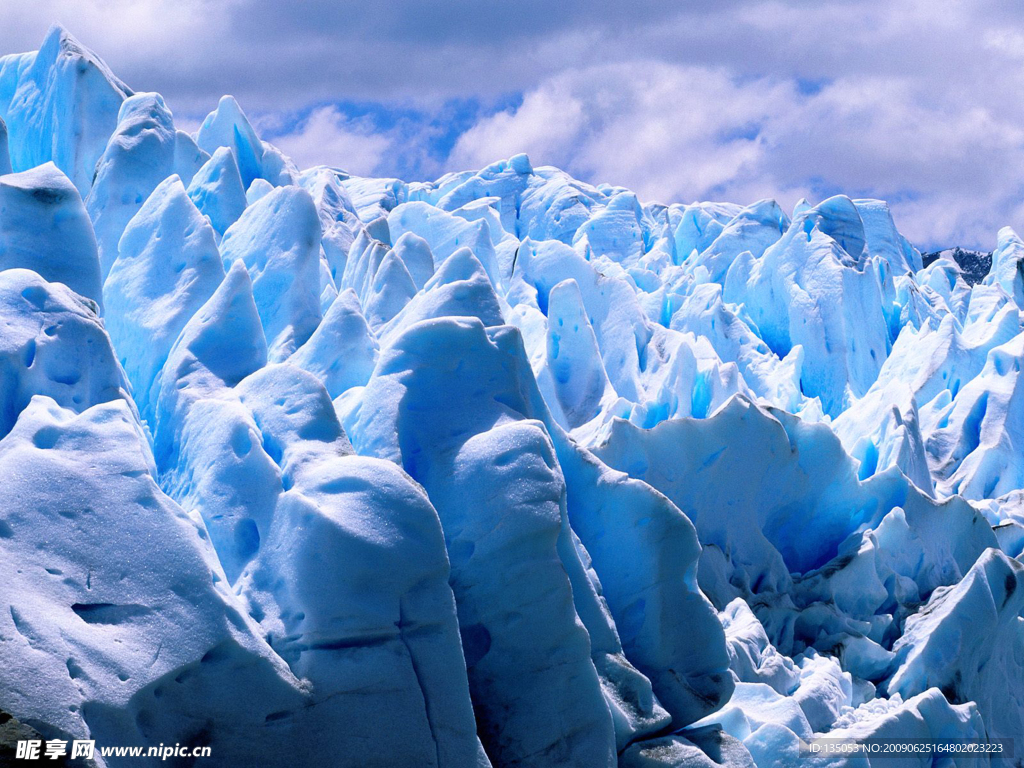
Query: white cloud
[[668, 131], [677, 133], [918, 100], [547, 124], [328, 137]]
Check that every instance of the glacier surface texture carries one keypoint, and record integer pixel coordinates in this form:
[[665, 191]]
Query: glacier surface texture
[[503, 470]]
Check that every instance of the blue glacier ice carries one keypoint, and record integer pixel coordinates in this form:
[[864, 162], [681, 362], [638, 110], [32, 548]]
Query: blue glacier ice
[[216, 189], [139, 155], [502, 469], [43, 215], [61, 104], [278, 240]]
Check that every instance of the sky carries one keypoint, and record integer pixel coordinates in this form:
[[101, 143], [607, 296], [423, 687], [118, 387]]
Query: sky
[[919, 102]]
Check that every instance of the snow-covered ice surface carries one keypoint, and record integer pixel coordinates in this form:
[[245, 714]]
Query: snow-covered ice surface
[[502, 469]]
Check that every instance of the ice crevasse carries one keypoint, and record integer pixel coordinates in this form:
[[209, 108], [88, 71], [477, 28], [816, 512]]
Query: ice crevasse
[[504, 469]]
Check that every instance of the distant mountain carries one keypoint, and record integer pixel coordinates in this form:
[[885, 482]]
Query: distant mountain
[[973, 264]]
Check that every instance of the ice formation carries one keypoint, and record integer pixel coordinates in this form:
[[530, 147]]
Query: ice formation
[[504, 469]]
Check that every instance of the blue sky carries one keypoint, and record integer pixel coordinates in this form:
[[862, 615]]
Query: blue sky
[[916, 102]]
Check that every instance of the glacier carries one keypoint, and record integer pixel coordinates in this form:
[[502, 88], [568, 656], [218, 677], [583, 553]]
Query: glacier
[[502, 469]]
